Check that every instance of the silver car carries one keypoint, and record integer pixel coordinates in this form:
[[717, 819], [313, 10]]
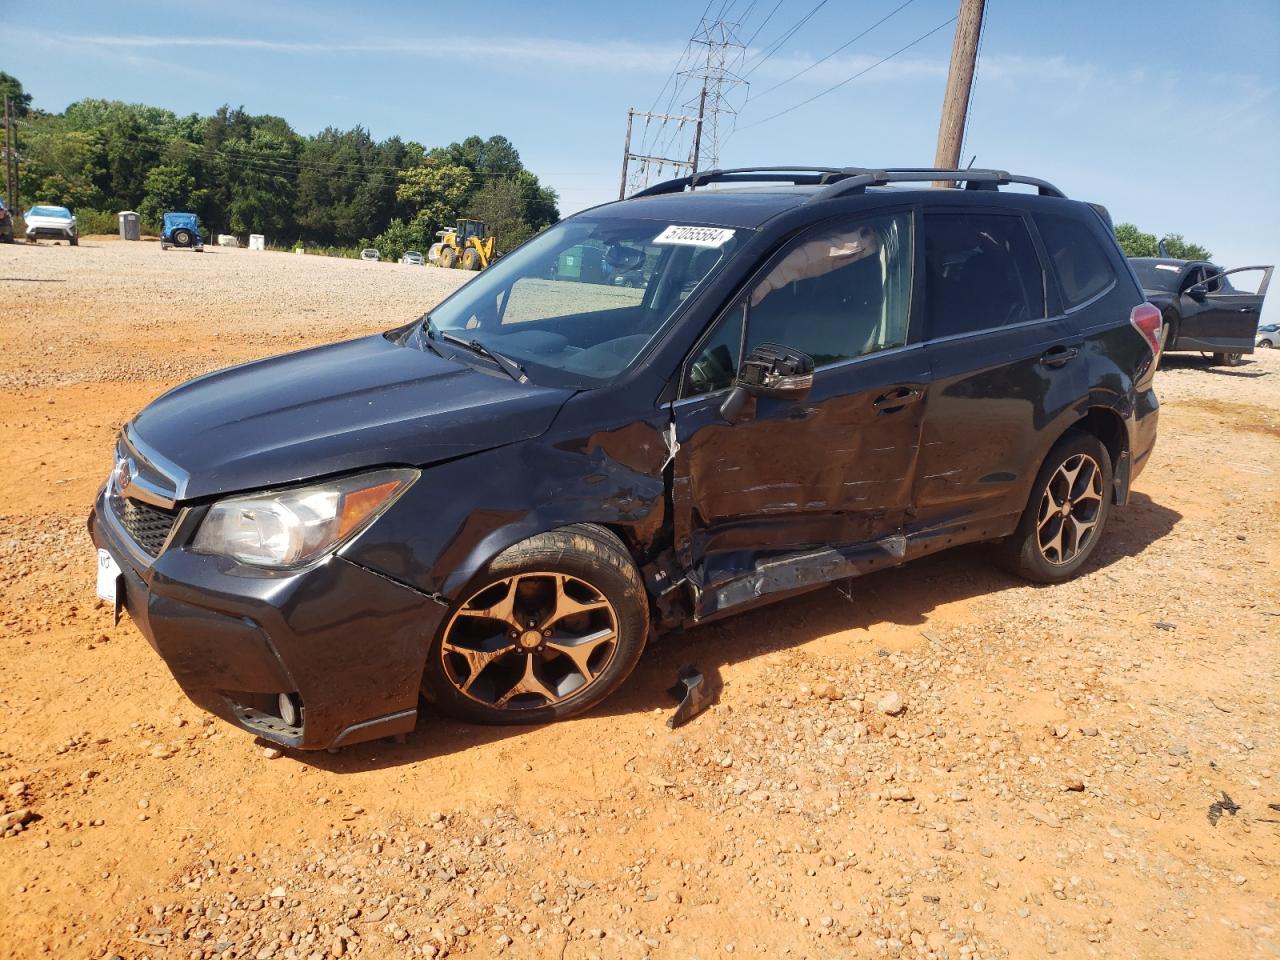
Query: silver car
[[51, 223], [1268, 335], [412, 257]]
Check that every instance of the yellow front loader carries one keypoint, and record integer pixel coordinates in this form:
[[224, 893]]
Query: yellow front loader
[[469, 246]]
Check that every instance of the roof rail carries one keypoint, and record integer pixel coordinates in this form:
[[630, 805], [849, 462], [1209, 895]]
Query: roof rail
[[843, 181]]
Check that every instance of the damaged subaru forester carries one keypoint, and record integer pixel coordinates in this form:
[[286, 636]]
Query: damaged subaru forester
[[810, 374]]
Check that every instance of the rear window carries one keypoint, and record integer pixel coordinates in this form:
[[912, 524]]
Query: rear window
[[981, 272], [1084, 270]]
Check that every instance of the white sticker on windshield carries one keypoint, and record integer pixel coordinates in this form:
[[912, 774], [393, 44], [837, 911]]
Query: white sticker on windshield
[[1167, 266], [695, 236]]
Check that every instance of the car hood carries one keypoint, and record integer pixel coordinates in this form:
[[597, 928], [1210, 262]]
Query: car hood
[[346, 406]]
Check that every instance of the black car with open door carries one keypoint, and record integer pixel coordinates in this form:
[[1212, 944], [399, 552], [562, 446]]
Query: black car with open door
[[1204, 308], [496, 506]]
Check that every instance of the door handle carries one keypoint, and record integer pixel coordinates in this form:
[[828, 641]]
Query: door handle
[[896, 399], [1058, 356]]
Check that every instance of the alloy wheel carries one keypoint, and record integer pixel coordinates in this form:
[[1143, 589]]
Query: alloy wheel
[[529, 641], [1069, 509]]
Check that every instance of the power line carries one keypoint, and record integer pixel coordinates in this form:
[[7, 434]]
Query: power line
[[839, 49], [860, 73], [773, 48], [763, 23]]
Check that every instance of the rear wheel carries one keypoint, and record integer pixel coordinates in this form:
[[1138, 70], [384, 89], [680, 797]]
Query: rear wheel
[[1264, 344], [448, 257], [470, 260], [1231, 358], [1067, 512], [553, 627]]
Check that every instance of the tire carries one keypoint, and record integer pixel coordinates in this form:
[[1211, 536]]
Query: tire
[[470, 260], [1231, 358], [1264, 344], [7, 238], [528, 678], [448, 258], [74, 241], [181, 238], [1030, 551]]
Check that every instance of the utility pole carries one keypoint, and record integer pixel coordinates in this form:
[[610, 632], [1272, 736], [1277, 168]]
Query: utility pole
[[626, 154], [955, 103], [697, 133]]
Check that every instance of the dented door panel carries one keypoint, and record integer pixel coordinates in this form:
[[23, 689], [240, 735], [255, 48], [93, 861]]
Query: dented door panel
[[831, 470]]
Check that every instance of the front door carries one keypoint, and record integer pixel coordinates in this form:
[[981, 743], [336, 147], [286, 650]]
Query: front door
[[1221, 313], [766, 501]]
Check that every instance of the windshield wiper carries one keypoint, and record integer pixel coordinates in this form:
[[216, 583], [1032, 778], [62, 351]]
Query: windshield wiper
[[505, 364]]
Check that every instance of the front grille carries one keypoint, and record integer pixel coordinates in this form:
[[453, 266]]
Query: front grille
[[147, 526]]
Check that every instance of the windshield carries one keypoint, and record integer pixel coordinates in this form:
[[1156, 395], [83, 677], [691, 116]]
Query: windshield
[[1157, 276], [586, 296], [61, 213]]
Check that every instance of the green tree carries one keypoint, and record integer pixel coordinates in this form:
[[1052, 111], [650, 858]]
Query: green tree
[[1134, 242], [400, 237], [435, 191], [20, 100], [62, 166], [168, 187], [500, 204], [1181, 249]]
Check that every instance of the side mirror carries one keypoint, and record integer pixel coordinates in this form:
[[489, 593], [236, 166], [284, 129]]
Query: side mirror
[[1198, 291], [770, 370]]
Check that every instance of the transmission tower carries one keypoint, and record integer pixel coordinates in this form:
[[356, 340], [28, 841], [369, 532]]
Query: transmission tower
[[690, 141], [722, 54]]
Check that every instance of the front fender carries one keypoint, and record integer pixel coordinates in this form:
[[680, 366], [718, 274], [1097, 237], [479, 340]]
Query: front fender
[[462, 514]]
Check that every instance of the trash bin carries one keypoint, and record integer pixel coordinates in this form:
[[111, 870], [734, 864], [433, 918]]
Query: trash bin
[[129, 229]]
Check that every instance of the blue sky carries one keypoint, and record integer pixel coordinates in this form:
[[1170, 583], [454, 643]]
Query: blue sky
[[1166, 113]]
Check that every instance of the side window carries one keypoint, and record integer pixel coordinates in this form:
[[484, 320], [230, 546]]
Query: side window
[[1084, 270], [716, 364], [1213, 279], [839, 293], [981, 271], [1194, 276]]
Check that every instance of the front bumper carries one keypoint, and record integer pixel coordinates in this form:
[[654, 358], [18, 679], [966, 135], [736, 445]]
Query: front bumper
[[49, 233], [349, 644]]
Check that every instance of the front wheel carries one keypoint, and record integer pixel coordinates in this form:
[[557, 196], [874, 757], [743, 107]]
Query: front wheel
[[448, 256], [75, 241], [555, 625], [1264, 344], [470, 260], [1067, 512], [1231, 358]]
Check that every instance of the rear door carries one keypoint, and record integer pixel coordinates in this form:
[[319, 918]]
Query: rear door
[[1003, 371], [1223, 316], [835, 468]]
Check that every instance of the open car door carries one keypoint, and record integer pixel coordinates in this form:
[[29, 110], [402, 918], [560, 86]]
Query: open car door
[[1220, 314]]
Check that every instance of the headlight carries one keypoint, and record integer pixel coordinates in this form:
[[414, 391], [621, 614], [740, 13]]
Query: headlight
[[290, 528]]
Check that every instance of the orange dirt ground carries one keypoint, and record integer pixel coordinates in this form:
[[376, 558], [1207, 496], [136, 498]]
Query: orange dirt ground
[[1088, 770]]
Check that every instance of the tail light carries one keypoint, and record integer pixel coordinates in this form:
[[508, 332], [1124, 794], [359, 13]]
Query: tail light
[[1146, 319]]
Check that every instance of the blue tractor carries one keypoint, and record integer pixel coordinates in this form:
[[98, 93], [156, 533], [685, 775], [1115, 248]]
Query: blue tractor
[[181, 230]]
